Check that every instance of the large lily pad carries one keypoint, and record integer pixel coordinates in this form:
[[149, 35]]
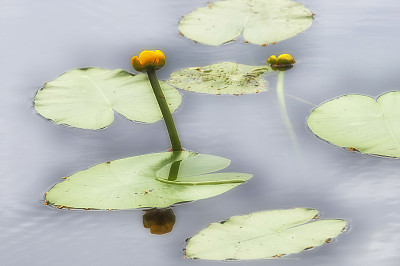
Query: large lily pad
[[359, 122], [262, 21], [132, 182], [221, 78], [263, 235], [87, 97]]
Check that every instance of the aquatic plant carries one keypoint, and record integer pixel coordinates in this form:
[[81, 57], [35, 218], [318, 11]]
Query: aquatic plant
[[82, 97], [262, 22]]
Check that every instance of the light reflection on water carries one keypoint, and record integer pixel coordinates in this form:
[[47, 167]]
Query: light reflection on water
[[350, 48]]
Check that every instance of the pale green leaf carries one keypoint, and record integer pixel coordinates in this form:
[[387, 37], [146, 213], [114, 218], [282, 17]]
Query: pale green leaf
[[360, 122], [263, 235], [194, 171], [262, 21], [131, 183], [87, 97], [221, 78]]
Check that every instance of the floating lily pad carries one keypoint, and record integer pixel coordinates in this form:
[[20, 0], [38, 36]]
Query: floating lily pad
[[221, 78], [132, 182], [262, 21], [360, 123], [263, 235], [87, 97]]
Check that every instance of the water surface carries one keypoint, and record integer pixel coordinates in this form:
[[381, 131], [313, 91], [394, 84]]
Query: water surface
[[352, 47]]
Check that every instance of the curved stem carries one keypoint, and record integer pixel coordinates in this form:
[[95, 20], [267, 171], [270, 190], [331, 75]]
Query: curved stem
[[169, 122], [282, 105]]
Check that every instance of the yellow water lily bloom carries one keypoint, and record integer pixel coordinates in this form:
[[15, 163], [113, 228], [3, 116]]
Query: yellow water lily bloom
[[148, 60], [282, 63], [282, 60]]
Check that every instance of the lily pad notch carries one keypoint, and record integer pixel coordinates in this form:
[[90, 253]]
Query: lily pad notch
[[262, 235], [87, 98], [261, 21], [359, 122]]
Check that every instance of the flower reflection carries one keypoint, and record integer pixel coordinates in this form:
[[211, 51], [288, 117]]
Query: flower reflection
[[159, 221]]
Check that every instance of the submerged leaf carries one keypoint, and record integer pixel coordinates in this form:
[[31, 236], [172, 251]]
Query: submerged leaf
[[221, 78], [87, 97], [262, 21], [360, 123], [262, 235], [131, 183]]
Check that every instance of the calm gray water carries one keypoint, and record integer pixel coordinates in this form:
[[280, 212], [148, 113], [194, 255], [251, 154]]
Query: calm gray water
[[352, 47]]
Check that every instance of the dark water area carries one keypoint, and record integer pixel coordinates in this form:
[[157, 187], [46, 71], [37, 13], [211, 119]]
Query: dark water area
[[352, 47]]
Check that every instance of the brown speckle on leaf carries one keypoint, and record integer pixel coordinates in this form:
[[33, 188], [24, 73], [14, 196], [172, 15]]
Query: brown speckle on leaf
[[353, 149]]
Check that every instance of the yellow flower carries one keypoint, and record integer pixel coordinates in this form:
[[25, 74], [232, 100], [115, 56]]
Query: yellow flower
[[148, 60], [282, 63], [282, 60]]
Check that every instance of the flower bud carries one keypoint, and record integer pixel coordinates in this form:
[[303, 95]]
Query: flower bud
[[282, 63], [148, 60]]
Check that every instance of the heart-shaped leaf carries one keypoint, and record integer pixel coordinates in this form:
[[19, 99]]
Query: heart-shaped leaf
[[263, 235], [132, 182], [359, 122], [262, 21], [87, 97], [221, 78]]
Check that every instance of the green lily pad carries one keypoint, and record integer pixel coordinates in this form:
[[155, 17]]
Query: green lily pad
[[132, 182], [262, 21], [261, 235], [87, 97], [221, 78], [360, 123]]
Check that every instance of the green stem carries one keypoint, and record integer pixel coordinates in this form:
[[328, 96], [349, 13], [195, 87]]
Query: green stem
[[169, 122], [174, 170], [282, 105]]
